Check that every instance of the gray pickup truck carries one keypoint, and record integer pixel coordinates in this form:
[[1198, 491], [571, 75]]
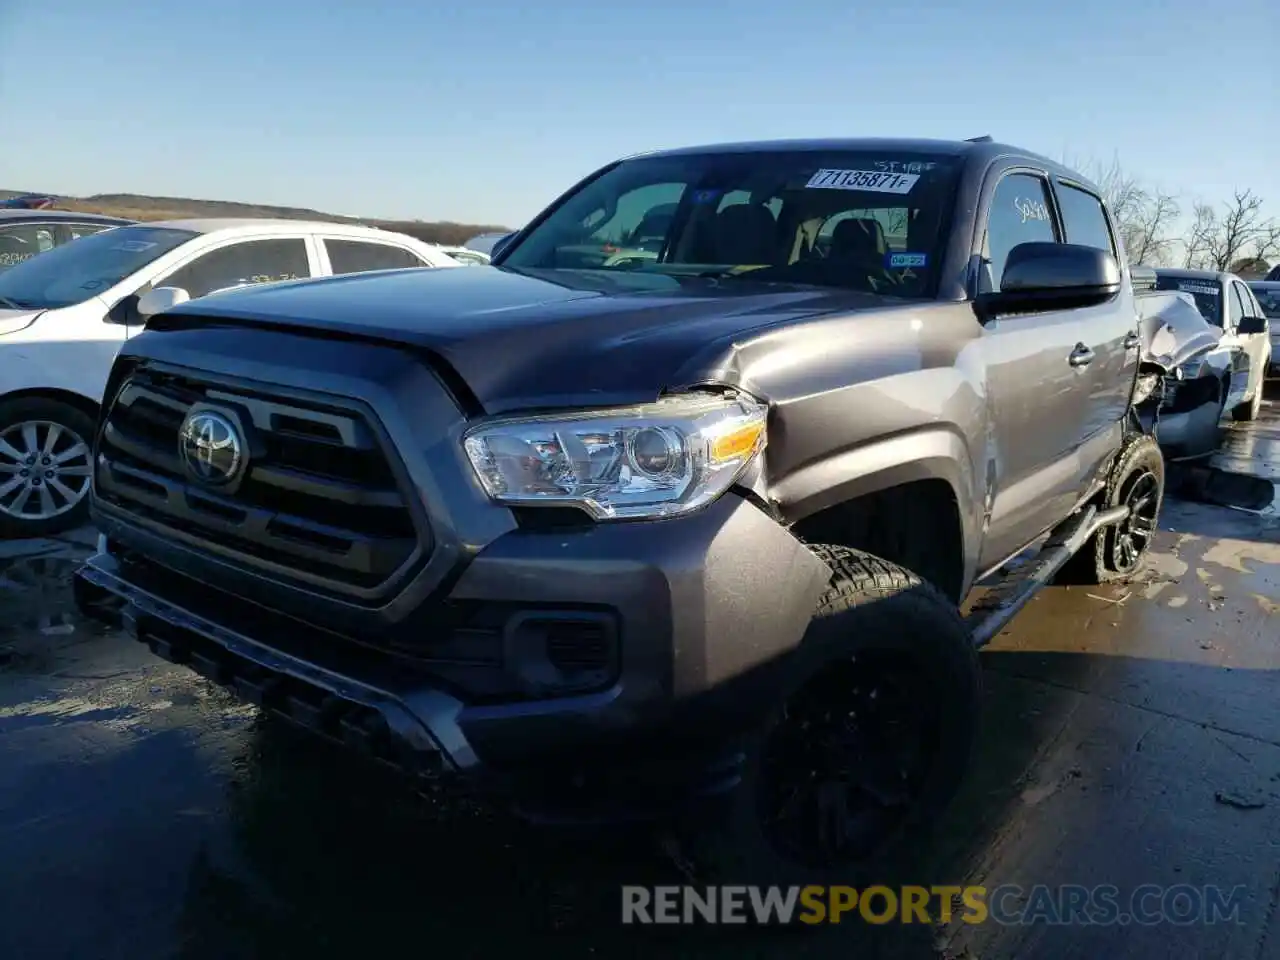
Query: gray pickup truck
[[686, 537]]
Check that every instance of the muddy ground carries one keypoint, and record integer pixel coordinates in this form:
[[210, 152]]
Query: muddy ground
[[1132, 736]]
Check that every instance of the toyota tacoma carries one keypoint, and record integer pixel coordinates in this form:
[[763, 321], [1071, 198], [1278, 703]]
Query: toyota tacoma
[[711, 535]]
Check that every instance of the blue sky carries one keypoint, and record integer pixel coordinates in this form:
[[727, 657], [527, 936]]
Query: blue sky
[[484, 110]]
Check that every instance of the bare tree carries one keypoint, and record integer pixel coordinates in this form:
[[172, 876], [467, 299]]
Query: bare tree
[[1240, 227], [1239, 233], [1147, 219], [1147, 230], [1267, 244], [1195, 248]]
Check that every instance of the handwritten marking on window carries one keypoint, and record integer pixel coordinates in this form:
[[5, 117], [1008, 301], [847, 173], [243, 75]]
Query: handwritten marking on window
[[1031, 209]]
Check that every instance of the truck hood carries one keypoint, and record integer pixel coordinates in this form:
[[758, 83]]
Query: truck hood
[[11, 321], [538, 338]]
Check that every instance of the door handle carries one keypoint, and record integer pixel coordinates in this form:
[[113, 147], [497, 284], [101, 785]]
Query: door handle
[[1081, 356], [1132, 342]]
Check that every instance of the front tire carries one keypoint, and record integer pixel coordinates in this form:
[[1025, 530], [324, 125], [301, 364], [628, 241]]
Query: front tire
[[1117, 552], [1249, 410], [45, 463], [868, 742]]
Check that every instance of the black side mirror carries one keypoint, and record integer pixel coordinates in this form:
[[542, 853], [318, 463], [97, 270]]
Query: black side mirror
[[1052, 276], [1252, 325]]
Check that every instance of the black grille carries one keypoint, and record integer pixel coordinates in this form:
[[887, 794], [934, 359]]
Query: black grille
[[319, 499]]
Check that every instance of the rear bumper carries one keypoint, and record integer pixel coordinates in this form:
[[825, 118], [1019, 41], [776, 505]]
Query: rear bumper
[[706, 609]]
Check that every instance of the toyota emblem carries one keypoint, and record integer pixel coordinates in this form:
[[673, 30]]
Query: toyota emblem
[[211, 447]]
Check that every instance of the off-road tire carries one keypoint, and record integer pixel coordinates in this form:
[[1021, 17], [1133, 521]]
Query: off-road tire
[[70, 418], [1094, 564], [1249, 410], [870, 607]]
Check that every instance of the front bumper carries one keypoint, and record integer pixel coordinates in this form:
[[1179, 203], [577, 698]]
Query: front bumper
[[705, 608]]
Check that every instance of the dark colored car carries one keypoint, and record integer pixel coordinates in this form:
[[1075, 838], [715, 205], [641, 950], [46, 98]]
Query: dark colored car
[[28, 201], [686, 533]]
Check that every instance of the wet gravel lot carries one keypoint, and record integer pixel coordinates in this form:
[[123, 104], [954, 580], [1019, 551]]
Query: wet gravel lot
[[1132, 736]]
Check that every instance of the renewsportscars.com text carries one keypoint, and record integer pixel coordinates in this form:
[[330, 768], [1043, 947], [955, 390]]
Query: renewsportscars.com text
[[1008, 904]]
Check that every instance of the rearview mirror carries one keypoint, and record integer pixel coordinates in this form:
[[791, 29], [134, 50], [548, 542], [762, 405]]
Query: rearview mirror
[[1052, 276], [499, 245], [161, 299], [1252, 325]]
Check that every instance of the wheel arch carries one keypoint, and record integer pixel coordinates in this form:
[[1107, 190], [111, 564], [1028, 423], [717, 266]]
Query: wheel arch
[[82, 403], [879, 496]]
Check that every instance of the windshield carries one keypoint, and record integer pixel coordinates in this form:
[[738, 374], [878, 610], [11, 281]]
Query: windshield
[[76, 271], [1207, 294], [1268, 295], [863, 220]]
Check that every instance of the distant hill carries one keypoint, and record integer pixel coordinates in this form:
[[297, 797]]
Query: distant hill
[[140, 207]]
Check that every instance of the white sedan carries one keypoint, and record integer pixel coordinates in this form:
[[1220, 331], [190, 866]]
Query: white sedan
[[64, 315]]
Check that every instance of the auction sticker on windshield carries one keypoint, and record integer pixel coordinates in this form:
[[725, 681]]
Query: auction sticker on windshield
[[1208, 289], [905, 260], [872, 181]]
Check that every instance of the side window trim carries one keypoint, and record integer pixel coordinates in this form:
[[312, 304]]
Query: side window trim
[[315, 250]]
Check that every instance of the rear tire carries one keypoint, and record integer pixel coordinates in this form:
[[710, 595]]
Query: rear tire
[[45, 463], [868, 742], [1117, 552]]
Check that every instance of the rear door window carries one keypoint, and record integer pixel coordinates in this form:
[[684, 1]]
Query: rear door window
[[358, 256], [242, 263], [1083, 219]]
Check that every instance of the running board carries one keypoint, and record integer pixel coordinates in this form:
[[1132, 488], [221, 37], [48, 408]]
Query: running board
[[992, 613]]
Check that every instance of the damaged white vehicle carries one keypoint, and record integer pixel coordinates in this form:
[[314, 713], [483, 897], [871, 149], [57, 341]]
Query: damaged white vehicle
[[1190, 375]]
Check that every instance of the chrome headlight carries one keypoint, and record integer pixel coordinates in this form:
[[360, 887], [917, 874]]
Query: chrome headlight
[[657, 460]]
